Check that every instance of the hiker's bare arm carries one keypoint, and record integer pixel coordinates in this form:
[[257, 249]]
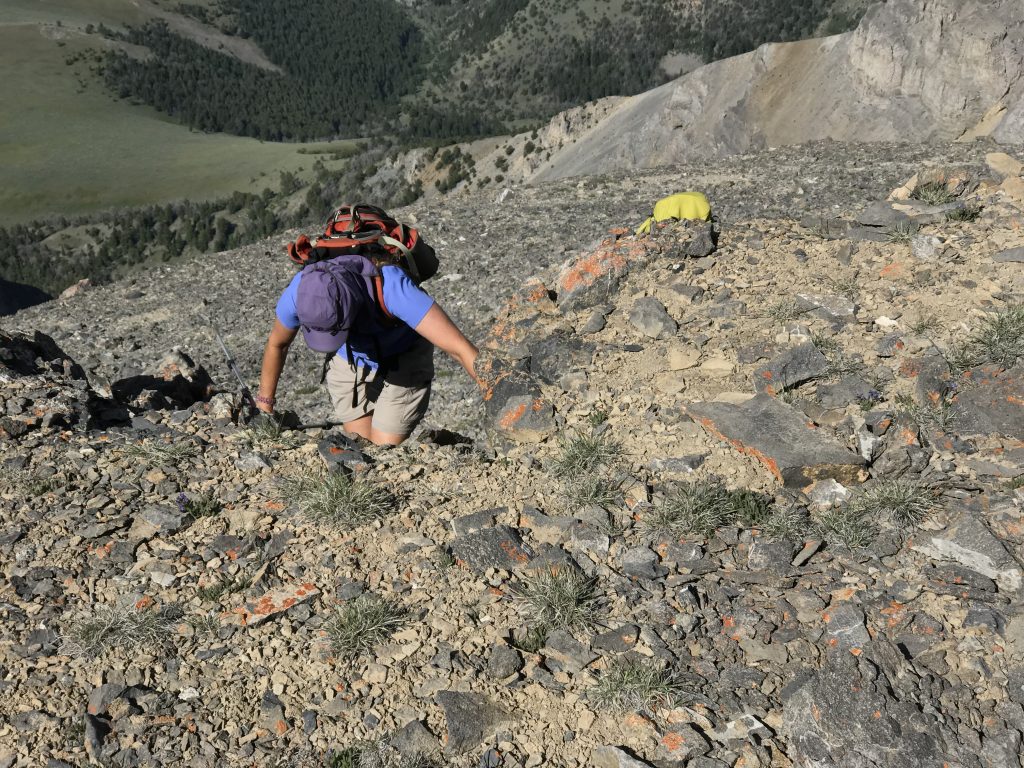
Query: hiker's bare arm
[[274, 355], [437, 328]]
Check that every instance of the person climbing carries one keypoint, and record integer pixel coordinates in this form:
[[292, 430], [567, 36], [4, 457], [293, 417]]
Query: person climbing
[[357, 298]]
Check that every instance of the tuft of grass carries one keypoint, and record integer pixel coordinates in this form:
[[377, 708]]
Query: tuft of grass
[[375, 754], [933, 193], [750, 508], [212, 593], [562, 598], [586, 490], [788, 522], [634, 684], [205, 623], [784, 311], [534, 639], [847, 525], [847, 287], [967, 213], [161, 452], [337, 500], [115, 626], [359, 624], [924, 324], [585, 453], [1000, 338], [1015, 482], [597, 418], [267, 431], [904, 502], [901, 233], [699, 507], [940, 416]]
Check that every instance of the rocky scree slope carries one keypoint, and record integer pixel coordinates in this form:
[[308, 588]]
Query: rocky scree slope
[[736, 599]]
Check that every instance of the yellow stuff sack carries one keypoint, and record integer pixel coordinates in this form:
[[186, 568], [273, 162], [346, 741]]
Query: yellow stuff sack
[[685, 205]]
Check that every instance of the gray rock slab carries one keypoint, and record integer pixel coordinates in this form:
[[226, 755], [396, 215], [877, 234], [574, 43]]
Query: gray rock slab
[[849, 713], [475, 521], [790, 368], [154, 521], [845, 627], [680, 743], [414, 740], [498, 547], [970, 542], [613, 757], [642, 563], [836, 309], [471, 718], [993, 404], [564, 653], [778, 436], [650, 317], [341, 454], [621, 640], [1010, 256]]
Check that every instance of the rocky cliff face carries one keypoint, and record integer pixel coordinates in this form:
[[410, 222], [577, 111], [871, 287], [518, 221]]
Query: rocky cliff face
[[914, 70]]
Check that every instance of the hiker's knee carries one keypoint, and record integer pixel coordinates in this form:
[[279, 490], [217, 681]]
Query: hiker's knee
[[378, 437]]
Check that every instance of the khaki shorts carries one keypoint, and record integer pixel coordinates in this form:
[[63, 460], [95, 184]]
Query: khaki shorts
[[398, 399]]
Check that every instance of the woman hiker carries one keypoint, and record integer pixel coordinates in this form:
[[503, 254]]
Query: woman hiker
[[383, 326]]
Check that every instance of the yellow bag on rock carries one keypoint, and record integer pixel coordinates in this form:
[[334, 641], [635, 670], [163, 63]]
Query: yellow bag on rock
[[685, 205]]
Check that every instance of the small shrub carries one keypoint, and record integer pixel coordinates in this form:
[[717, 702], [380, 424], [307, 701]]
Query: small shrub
[[933, 193], [784, 311], [133, 628], [903, 501], [699, 507], [847, 287], [337, 500], [562, 598], [967, 213], [360, 624], [634, 684], [204, 505], [847, 526]]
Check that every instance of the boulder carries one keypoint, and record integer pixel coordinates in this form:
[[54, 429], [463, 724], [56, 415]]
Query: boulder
[[471, 718], [970, 542]]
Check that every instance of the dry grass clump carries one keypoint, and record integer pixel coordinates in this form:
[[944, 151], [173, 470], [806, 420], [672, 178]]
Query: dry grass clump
[[901, 233], [703, 506], [848, 525], [784, 311], [699, 507], [376, 754], [359, 624], [940, 415], [904, 502], [562, 598], [933, 193], [133, 628], [632, 684], [337, 500], [162, 452], [583, 467]]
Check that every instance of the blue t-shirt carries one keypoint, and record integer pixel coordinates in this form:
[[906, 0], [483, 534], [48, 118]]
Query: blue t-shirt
[[372, 339]]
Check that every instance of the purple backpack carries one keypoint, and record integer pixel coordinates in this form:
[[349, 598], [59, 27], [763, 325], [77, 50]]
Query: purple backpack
[[331, 296]]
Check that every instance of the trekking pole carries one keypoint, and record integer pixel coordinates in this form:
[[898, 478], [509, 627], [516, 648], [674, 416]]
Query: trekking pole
[[247, 397]]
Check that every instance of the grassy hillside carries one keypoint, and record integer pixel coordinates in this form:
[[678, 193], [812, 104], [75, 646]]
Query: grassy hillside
[[69, 148]]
